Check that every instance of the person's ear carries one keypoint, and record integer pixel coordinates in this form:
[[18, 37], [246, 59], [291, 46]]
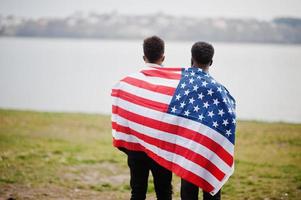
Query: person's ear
[[210, 62], [163, 58], [144, 58]]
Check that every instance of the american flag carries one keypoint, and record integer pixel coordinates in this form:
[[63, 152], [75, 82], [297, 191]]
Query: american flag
[[182, 118]]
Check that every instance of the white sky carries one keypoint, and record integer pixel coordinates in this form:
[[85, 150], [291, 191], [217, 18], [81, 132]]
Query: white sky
[[260, 9]]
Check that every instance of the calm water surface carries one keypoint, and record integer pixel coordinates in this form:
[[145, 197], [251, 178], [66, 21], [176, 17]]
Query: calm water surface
[[77, 75]]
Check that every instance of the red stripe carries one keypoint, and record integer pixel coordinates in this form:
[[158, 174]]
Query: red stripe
[[177, 130], [171, 147], [175, 168], [148, 86], [140, 100], [161, 74], [177, 69]]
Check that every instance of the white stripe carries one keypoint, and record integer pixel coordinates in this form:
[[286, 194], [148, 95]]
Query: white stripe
[[147, 94], [176, 120], [178, 140], [156, 80], [171, 157]]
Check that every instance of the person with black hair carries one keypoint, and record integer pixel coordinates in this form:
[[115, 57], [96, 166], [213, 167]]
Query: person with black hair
[[139, 162], [153, 49], [201, 57]]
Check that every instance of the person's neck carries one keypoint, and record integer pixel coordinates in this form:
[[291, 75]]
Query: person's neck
[[205, 68], [147, 64], [157, 63]]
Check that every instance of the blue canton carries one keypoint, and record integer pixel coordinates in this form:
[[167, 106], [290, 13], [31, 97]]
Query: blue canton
[[200, 98]]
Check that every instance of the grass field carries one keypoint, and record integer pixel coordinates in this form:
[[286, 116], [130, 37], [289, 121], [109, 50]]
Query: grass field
[[70, 156]]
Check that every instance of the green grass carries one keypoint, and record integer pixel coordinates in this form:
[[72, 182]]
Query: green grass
[[57, 153]]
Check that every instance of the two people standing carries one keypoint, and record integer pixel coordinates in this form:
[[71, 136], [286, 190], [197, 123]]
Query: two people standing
[[139, 161]]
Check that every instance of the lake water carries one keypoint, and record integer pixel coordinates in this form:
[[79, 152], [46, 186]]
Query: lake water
[[77, 75]]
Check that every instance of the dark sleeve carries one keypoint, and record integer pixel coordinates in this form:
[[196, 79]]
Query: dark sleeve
[[133, 154], [123, 150]]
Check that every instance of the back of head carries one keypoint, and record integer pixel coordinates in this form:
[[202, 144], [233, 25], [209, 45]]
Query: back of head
[[153, 48], [202, 53]]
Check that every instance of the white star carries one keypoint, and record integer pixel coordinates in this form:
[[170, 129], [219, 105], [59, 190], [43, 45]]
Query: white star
[[198, 77], [204, 83], [186, 69], [224, 100], [210, 114], [213, 81], [207, 75], [210, 92], [196, 108], [201, 96], [178, 96], [230, 110], [228, 132], [233, 121], [219, 89], [186, 75], [215, 124], [221, 112], [192, 73], [186, 92], [183, 85], [173, 109], [186, 113], [225, 122], [201, 117], [183, 104], [206, 104], [191, 100], [200, 70], [191, 80], [215, 102], [195, 88]]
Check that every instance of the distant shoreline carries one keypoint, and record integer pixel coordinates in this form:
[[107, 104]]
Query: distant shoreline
[[282, 30]]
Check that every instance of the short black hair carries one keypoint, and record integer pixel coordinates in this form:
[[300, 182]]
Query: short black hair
[[202, 52], [153, 48]]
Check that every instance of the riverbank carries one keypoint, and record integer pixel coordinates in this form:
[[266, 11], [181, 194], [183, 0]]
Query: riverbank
[[70, 156]]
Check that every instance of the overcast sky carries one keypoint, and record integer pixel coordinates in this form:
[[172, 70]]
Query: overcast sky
[[260, 9]]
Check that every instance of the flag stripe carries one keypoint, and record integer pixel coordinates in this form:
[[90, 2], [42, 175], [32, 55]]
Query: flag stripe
[[174, 129], [162, 74], [176, 139], [171, 147], [156, 80], [144, 93], [174, 162], [180, 121], [140, 100], [177, 69], [149, 86]]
